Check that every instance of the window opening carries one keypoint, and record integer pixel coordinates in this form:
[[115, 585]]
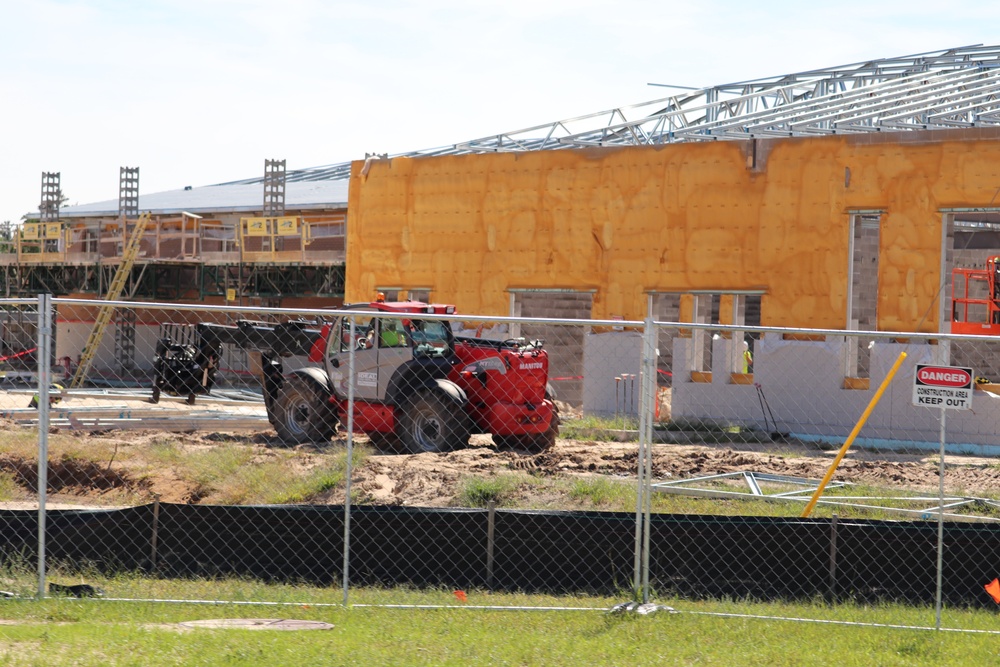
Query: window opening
[[863, 301]]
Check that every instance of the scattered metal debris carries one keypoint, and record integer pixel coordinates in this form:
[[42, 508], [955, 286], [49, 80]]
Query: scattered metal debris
[[640, 608], [258, 624]]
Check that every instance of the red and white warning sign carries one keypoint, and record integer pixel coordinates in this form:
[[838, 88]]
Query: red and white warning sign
[[943, 387]]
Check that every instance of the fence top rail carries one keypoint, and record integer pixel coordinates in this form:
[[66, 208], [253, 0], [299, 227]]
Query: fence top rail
[[333, 312], [499, 319], [912, 335]]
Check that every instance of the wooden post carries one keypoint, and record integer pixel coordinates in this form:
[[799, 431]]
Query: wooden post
[[156, 530], [491, 512], [833, 559]]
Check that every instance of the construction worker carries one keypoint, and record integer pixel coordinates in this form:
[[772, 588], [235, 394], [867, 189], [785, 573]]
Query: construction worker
[[55, 395]]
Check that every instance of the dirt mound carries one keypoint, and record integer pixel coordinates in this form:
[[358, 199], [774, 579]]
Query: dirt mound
[[72, 476]]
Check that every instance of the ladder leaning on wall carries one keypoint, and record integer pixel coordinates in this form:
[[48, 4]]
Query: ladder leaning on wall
[[104, 315]]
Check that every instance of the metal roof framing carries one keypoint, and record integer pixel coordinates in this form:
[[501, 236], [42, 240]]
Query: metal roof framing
[[948, 89]]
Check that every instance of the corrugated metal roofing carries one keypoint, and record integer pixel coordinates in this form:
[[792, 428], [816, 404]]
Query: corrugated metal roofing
[[237, 198]]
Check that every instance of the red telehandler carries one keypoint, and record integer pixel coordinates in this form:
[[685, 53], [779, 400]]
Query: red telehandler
[[417, 387]]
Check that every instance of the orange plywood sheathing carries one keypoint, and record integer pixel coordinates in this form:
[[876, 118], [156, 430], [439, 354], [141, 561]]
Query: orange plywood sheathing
[[675, 218]]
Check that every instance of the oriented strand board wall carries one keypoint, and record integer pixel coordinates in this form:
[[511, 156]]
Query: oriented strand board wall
[[671, 218]]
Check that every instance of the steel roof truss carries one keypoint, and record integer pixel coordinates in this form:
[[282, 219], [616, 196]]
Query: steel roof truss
[[957, 87]]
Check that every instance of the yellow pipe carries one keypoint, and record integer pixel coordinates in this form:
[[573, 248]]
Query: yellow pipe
[[850, 439]]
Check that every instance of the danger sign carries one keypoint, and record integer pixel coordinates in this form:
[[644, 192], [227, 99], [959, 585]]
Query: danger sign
[[948, 387]]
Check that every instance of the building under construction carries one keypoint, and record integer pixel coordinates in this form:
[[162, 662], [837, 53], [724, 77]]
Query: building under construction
[[226, 240], [266, 241], [837, 198]]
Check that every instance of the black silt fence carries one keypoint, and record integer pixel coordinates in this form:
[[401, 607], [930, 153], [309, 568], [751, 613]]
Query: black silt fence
[[562, 552], [19, 537], [780, 558]]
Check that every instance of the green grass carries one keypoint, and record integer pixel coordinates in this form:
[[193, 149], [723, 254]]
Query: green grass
[[503, 490], [233, 473], [677, 504], [9, 488], [57, 632], [23, 443], [625, 428], [213, 467], [239, 471], [596, 492], [318, 480], [603, 493], [236, 471], [626, 422], [166, 451], [98, 632]]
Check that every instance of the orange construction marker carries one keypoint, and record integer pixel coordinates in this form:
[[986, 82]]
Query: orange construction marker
[[993, 588]]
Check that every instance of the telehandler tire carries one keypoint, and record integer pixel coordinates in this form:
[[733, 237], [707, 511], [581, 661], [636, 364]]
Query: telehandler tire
[[302, 412], [430, 422]]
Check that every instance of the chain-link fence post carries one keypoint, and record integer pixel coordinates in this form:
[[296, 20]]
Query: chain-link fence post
[[644, 459], [350, 447], [43, 369], [641, 490], [647, 398], [940, 526]]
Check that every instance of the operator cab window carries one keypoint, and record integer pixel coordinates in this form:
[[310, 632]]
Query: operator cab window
[[364, 334], [430, 339], [345, 335], [368, 334], [393, 333]]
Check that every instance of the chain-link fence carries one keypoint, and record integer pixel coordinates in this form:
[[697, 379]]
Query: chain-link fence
[[405, 454]]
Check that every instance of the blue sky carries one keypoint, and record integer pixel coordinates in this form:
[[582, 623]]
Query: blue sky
[[196, 92]]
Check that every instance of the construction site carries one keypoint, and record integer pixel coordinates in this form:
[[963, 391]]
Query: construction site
[[684, 343], [838, 199]]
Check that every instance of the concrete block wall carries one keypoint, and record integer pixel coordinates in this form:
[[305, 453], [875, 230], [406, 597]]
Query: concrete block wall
[[865, 274], [666, 308], [563, 343]]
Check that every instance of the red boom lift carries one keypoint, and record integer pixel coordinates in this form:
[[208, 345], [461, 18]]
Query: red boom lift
[[975, 300]]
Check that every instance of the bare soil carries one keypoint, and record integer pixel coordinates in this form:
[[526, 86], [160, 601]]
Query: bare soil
[[121, 467], [431, 479], [434, 480]]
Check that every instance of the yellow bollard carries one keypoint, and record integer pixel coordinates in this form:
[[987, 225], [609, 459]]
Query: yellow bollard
[[854, 434]]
